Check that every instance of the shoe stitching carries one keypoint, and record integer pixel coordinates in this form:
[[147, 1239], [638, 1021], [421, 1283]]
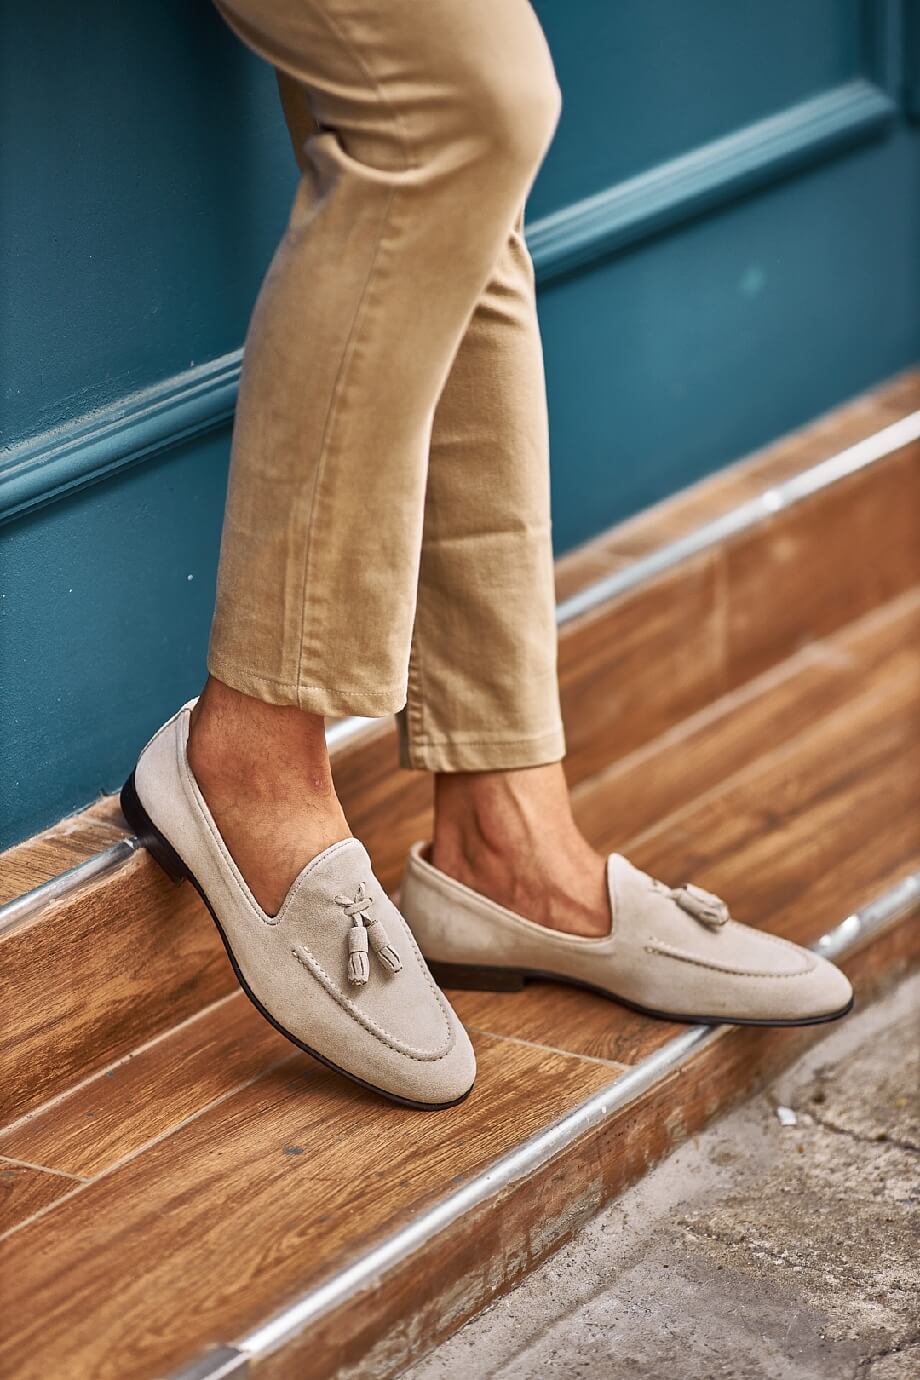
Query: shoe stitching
[[445, 1008], [199, 805], [312, 964], [189, 780], [162, 729], [657, 946], [300, 882]]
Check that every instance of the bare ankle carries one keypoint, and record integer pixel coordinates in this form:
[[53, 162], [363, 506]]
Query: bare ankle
[[501, 814], [512, 837], [265, 775], [258, 748]]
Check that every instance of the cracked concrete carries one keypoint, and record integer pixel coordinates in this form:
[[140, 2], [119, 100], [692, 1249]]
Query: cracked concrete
[[756, 1252]]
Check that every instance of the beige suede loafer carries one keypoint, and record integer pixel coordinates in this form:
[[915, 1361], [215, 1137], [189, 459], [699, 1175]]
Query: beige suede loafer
[[336, 970], [674, 953]]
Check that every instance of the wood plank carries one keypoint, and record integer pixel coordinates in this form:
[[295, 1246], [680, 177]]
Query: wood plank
[[25, 1189], [714, 495], [566, 1019], [645, 789], [371, 786], [808, 571], [586, 565], [612, 701], [835, 814], [879, 652], [850, 771], [901, 395], [628, 673], [55, 965], [99, 974], [276, 1179], [152, 1092]]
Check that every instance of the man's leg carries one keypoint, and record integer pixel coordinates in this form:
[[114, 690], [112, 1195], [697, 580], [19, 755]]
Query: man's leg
[[483, 705], [431, 122]]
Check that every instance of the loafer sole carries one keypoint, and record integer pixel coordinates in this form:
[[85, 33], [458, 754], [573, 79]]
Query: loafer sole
[[163, 853], [473, 978]]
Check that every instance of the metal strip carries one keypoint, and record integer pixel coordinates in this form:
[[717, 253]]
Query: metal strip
[[218, 1364], [343, 730], [66, 883], [536, 1152], [811, 481]]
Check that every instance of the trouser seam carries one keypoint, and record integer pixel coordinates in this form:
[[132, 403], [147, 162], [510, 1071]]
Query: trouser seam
[[360, 315], [415, 690], [326, 442]]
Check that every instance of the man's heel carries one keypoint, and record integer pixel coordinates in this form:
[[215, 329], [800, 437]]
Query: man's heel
[[159, 848], [468, 977]]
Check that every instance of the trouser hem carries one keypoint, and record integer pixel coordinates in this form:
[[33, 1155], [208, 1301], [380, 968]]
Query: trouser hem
[[502, 754], [333, 703]]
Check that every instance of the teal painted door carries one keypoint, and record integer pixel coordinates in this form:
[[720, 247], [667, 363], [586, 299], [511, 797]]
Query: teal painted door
[[727, 239]]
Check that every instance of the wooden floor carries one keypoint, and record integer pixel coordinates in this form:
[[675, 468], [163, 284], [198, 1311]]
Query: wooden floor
[[175, 1191]]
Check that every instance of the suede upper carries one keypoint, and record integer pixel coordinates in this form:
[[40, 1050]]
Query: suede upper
[[395, 1029], [661, 953]]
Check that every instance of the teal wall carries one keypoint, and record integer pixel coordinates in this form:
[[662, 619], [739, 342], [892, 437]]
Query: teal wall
[[727, 237]]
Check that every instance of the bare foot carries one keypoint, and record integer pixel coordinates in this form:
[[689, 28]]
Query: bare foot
[[511, 836], [264, 772]]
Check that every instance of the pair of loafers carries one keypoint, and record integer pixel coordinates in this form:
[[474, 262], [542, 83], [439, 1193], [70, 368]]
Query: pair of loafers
[[355, 982]]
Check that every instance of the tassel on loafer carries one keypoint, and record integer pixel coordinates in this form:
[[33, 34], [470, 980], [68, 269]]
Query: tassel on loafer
[[672, 952], [337, 970]]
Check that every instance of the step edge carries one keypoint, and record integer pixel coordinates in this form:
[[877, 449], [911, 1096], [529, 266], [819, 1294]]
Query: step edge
[[852, 933], [774, 499], [96, 867], [605, 590]]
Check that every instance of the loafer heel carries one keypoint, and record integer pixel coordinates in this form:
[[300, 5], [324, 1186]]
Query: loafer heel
[[159, 848], [473, 978]]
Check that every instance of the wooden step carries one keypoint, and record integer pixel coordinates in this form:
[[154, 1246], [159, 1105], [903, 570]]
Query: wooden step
[[174, 1205], [113, 965]]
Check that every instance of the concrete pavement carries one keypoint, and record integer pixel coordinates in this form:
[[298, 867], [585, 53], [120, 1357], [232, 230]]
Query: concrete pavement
[[758, 1251]]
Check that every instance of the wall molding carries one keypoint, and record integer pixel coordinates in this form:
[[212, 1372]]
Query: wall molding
[[708, 176], [144, 424], [136, 427]]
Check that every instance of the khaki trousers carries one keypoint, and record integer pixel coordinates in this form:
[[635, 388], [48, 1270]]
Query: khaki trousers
[[386, 543]]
